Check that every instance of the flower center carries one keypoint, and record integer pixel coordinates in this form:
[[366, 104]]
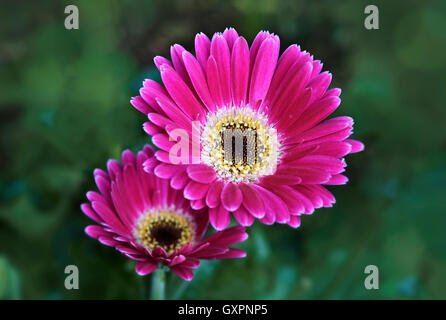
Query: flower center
[[239, 144], [167, 228]]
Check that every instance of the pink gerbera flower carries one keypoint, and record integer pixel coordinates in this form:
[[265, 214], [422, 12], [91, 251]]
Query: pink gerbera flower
[[265, 150], [141, 216]]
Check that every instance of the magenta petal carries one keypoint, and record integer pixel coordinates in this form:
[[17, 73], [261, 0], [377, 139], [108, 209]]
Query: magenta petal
[[282, 179], [182, 95], [202, 49], [232, 253], [198, 79], [231, 196], [312, 175], [337, 179], [357, 146], [274, 205], [166, 171], [243, 217], [179, 180], [286, 61], [316, 113], [252, 201], [227, 237], [335, 149], [183, 272], [319, 85], [326, 128], [145, 267], [126, 249], [176, 53], [162, 141], [159, 61], [151, 129], [201, 173], [240, 71], [109, 216], [150, 164], [294, 222], [220, 51], [263, 70], [191, 263], [213, 78], [96, 231], [177, 260], [329, 164], [219, 217], [231, 36], [214, 193], [141, 105], [89, 212], [258, 40], [197, 204], [195, 190]]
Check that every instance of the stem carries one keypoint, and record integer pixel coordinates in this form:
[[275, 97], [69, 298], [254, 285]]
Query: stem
[[158, 290]]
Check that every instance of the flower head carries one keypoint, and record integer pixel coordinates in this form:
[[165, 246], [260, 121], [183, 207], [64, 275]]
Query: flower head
[[265, 149], [148, 221]]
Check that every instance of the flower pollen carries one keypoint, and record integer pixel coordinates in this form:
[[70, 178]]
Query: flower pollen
[[239, 144], [167, 228]]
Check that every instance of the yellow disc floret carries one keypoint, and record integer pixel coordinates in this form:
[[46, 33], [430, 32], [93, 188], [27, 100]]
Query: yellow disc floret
[[167, 228], [239, 144]]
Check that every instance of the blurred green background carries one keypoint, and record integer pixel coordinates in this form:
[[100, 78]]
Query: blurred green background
[[64, 110]]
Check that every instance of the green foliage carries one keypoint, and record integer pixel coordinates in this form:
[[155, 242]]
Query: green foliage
[[64, 110]]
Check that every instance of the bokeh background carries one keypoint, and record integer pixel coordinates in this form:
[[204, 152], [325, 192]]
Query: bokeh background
[[64, 110]]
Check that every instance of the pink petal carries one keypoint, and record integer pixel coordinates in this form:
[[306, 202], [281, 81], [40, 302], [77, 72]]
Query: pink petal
[[232, 253], [162, 141], [319, 85], [214, 193], [231, 196], [195, 190], [273, 204], [183, 272], [89, 212], [258, 40], [335, 149], [176, 53], [201, 173], [202, 49], [337, 179], [213, 78], [159, 61], [325, 128], [315, 113], [182, 95], [243, 217], [139, 103], [263, 70], [329, 164], [219, 217], [198, 79], [252, 201], [198, 204], [294, 222], [177, 260], [240, 71], [166, 171], [151, 129], [357, 146], [95, 231], [145, 267], [231, 36], [286, 60], [220, 51]]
